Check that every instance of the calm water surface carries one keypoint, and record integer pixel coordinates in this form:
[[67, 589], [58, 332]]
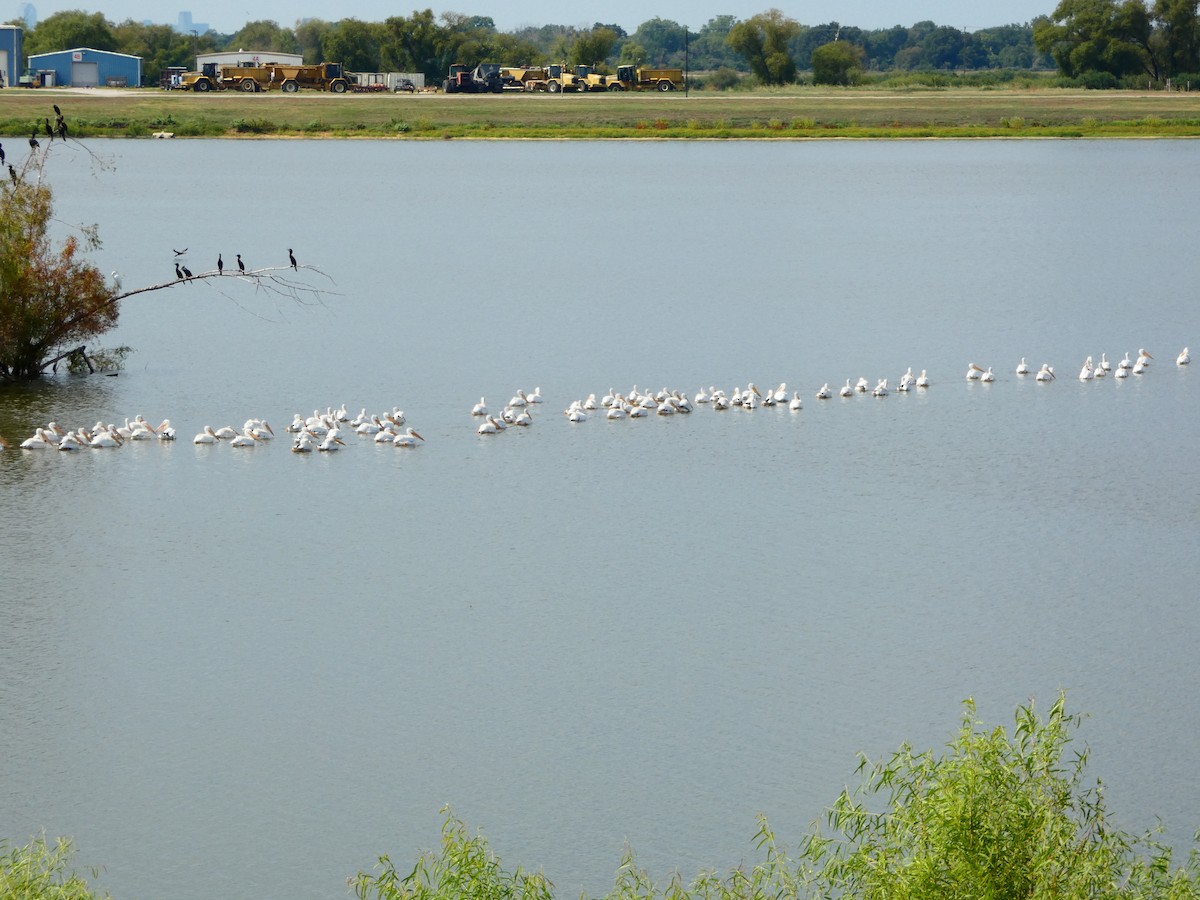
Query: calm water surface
[[247, 674]]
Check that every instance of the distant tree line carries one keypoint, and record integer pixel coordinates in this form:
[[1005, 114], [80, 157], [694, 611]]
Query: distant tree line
[[428, 43], [1100, 42]]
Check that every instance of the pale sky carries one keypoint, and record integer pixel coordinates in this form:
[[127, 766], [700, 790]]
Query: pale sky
[[228, 16]]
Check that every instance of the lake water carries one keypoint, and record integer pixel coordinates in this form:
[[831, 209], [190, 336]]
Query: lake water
[[246, 674]]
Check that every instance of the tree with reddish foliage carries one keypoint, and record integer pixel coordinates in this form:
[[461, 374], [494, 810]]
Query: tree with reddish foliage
[[50, 296]]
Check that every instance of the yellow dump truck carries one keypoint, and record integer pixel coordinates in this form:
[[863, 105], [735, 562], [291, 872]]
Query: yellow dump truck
[[635, 78], [212, 77], [323, 77]]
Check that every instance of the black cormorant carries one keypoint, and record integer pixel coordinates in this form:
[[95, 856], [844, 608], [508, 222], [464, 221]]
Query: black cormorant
[[241, 265], [178, 273], [220, 264], [291, 258]]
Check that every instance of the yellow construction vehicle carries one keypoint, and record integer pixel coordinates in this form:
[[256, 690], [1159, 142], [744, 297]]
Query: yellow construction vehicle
[[635, 78], [553, 79], [212, 77], [322, 77]]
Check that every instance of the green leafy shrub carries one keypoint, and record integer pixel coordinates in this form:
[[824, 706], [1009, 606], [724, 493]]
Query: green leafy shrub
[[38, 871]]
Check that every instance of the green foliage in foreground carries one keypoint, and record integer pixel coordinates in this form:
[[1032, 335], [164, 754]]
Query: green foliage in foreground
[[38, 871], [996, 815]]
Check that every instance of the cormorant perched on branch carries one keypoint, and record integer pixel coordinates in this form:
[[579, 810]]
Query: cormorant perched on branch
[[12, 173], [241, 265], [220, 265], [1, 154], [57, 111], [187, 272], [178, 273], [49, 130], [33, 141], [291, 258]]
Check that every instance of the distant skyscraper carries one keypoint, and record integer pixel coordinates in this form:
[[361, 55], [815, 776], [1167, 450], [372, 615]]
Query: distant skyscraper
[[29, 15], [185, 25]]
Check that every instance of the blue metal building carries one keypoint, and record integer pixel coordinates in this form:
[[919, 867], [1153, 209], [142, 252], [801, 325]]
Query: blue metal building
[[82, 67], [12, 53]]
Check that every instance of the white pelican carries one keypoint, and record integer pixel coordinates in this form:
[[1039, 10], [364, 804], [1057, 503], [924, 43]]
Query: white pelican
[[780, 395], [750, 399], [39, 441], [519, 399], [1183, 359], [824, 393], [608, 399], [922, 380], [1045, 373], [1143, 357], [140, 431], [615, 412], [846, 390], [297, 424], [227, 433], [1121, 373], [246, 439], [881, 389], [382, 436], [330, 444], [682, 403], [264, 432], [408, 439], [480, 408], [72, 441], [974, 373], [861, 385], [590, 402], [1126, 363], [701, 396], [1139, 367], [989, 376], [769, 399], [107, 437], [720, 401], [796, 403], [1088, 372], [488, 426], [637, 411], [523, 418], [536, 396], [342, 415], [907, 380], [1104, 363], [305, 442], [372, 425], [207, 436], [1022, 367], [575, 412]]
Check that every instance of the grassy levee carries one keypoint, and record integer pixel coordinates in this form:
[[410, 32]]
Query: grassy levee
[[795, 113]]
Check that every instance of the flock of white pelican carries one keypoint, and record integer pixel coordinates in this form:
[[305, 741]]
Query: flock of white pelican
[[324, 431], [328, 431]]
